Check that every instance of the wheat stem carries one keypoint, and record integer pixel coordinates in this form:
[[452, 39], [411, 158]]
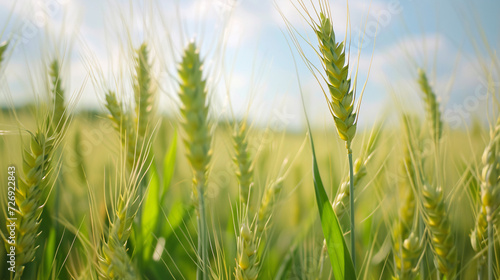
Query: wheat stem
[[202, 231], [353, 223], [491, 240]]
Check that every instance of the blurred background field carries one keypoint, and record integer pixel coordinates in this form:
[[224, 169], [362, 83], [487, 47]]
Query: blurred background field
[[253, 74]]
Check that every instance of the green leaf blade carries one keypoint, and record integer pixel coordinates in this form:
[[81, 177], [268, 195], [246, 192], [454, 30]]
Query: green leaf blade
[[342, 266], [169, 165], [151, 211]]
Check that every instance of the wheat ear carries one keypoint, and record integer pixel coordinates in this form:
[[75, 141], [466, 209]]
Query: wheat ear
[[339, 84], [115, 262], [57, 96], [407, 245], [30, 197], [123, 123], [247, 265], [268, 202], [243, 162], [3, 48], [442, 239], [431, 106], [144, 90], [198, 140]]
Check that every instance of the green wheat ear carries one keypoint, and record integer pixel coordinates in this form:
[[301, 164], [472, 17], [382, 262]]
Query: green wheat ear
[[490, 191], [339, 84], [115, 262], [30, 197], [243, 162], [431, 106], [268, 202], [144, 90], [194, 111], [3, 48], [247, 264], [123, 123]]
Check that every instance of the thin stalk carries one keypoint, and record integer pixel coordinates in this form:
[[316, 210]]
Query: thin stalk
[[490, 245], [422, 232], [202, 273], [480, 272], [351, 191]]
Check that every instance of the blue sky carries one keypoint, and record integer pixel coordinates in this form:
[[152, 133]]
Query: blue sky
[[255, 65]]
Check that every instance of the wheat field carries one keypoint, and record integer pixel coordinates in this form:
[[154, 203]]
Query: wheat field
[[166, 177]]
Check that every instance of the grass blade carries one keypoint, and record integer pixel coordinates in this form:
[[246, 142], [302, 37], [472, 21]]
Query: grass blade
[[151, 212], [169, 165]]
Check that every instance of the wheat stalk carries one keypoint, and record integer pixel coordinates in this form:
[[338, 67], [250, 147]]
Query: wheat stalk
[[342, 99], [243, 162], [442, 239], [431, 106], [198, 140]]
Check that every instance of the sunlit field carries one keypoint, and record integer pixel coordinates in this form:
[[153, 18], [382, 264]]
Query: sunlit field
[[221, 139]]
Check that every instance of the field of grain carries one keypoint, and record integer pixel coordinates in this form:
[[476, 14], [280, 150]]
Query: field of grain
[[131, 189]]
